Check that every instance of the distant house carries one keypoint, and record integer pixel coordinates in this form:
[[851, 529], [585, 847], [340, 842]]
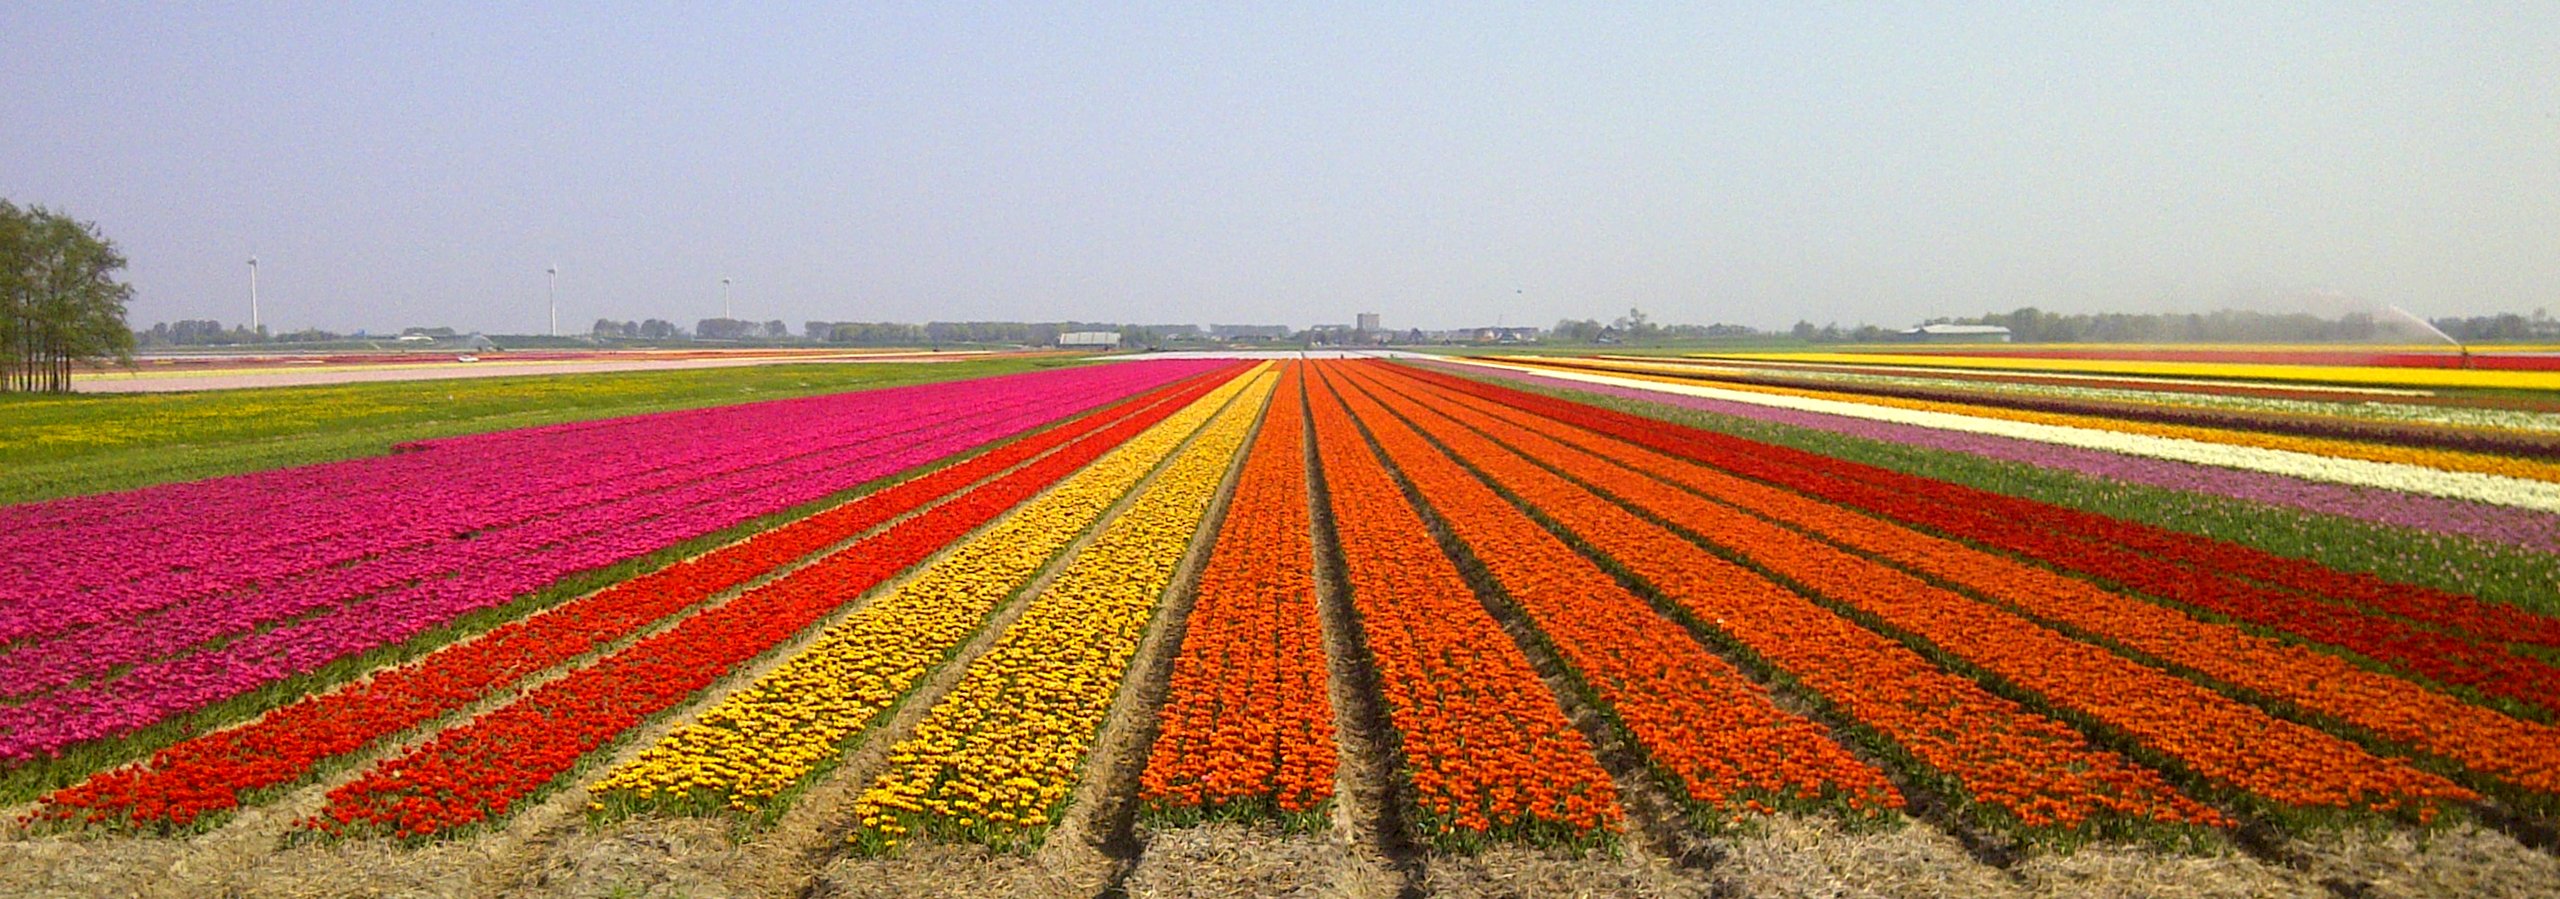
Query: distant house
[[1502, 335], [1100, 340], [1945, 333]]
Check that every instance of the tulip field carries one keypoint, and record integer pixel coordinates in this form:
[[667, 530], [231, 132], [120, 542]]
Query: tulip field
[[1937, 620]]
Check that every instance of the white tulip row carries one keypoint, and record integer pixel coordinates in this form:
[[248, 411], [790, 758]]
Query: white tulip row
[[2506, 419], [2485, 488]]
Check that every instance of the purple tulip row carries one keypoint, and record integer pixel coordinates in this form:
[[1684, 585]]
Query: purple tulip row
[[308, 625], [2515, 527]]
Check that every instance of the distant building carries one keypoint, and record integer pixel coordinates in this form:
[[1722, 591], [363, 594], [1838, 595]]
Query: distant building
[[1956, 334], [1368, 321], [1100, 340]]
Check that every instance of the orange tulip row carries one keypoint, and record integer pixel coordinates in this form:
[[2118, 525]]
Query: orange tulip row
[[1731, 748], [2215, 736], [2524, 753], [1247, 724], [2003, 757], [2228, 742], [1484, 745]]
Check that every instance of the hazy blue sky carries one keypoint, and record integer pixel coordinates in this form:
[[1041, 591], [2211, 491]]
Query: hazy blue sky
[[1203, 162]]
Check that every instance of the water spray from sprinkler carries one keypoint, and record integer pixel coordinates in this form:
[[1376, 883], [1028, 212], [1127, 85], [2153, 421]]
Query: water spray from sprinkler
[[2432, 329]]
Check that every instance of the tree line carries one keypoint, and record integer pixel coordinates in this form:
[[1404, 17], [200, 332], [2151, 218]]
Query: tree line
[[1637, 327], [2506, 326], [1025, 333], [60, 302], [2033, 325], [706, 329]]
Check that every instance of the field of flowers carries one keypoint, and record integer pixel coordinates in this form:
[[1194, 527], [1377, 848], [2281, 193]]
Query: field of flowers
[[2159, 605]]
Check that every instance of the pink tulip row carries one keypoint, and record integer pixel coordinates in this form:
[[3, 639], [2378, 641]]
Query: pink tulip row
[[124, 555], [307, 625], [661, 504], [138, 625]]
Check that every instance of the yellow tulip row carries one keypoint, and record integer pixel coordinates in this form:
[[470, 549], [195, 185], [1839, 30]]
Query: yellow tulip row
[[995, 759], [768, 736]]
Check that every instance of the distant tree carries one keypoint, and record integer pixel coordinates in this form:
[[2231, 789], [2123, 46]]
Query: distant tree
[[1701, 332], [726, 329], [60, 302], [1804, 330], [1635, 325], [1584, 331], [659, 329], [199, 332], [2032, 325], [876, 334], [309, 335], [2504, 326], [776, 330]]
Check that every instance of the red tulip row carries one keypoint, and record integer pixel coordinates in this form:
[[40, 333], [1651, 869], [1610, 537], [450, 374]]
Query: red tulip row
[[2227, 742], [214, 772], [1246, 719], [1485, 746], [1721, 735], [2200, 574], [2462, 614], [2524, 753], [2001, 756], [477, 770]]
